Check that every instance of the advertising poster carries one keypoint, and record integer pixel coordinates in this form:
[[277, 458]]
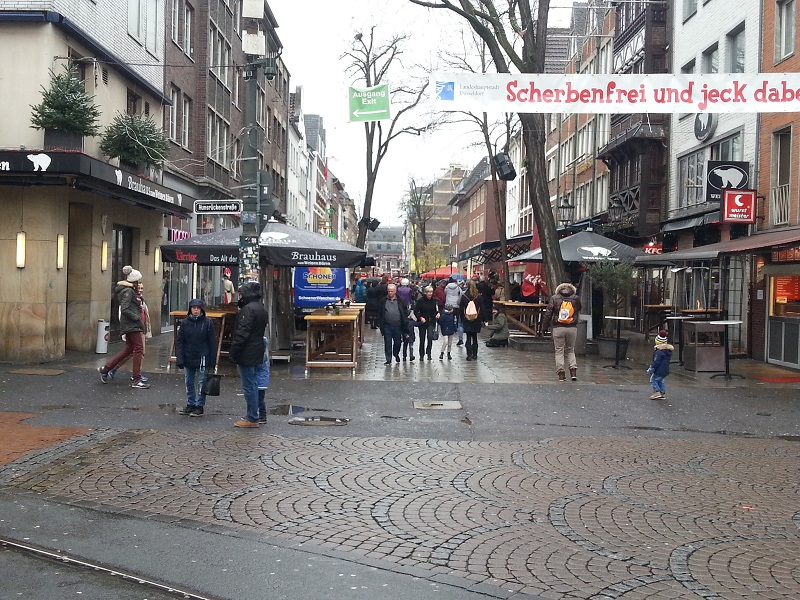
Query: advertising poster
[[318, 286]]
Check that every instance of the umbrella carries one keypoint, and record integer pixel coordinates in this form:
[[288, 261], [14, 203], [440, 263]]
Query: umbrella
[[286, 246], [216, 248], [586, 246], [458, 277]]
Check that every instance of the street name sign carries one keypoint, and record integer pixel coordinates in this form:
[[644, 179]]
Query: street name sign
[[217, 207], [369, 104]]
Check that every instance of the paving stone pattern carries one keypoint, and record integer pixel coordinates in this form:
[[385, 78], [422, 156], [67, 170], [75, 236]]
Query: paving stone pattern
[[590, 517]]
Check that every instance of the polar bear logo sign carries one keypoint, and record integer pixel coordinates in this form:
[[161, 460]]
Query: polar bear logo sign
[[40, 161], [728, 177], [596, 251]]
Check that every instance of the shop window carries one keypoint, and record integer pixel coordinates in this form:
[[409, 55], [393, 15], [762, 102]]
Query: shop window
[[785, 296]]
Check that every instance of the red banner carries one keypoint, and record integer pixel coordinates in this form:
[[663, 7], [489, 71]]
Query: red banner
[[739, 206]]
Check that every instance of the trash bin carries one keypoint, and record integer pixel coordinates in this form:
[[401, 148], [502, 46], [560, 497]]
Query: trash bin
[[102, 336]]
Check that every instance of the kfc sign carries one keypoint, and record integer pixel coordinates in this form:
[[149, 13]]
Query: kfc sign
[[739, 206], [653, 249]]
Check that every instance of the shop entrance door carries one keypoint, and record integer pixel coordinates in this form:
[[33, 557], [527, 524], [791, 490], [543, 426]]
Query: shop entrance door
[[121, 255]]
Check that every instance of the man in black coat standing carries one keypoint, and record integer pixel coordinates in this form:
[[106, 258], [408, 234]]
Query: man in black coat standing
[[247, 347], [392, 322]]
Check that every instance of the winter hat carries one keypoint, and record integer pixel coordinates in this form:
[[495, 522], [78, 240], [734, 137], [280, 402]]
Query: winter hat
[[404, 281], [133, 274], [662, 337], [196, 302]]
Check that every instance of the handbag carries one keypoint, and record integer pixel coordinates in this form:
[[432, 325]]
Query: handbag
[[211, 384], [433, 334]]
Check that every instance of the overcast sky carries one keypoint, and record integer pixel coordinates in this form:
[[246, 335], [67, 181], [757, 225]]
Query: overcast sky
[[315, 33]]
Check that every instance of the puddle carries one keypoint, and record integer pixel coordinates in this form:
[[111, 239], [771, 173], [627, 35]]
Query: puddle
[[292, 409], [319, 421], [398, 418]]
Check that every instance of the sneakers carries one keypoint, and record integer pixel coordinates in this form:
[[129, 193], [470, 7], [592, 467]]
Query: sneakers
[[562, 376], [441, 355], [245, 423], [262, 420], [103, 376], [658, 396], [186, 410], [460, 343], [573, 373], [140, 385], [197, 411], [142, 378]]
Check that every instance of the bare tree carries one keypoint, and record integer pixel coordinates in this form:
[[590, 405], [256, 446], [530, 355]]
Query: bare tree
[[370, 63], [417, 206], [499, 31]]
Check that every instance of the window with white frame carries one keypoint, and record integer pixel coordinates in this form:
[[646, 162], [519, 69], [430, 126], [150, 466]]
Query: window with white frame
[[186, 117], [188, 29], [779, 193], [174, 96], [784, 29], [135, 21], [736, 50], [151, 39], [689, 8], [217, 133], [176, 12], [728, 149], [691, 173]]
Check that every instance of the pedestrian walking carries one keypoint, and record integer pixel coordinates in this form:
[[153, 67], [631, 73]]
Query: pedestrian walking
[[247, 347], [659, 368], [138, 288], [561, 315], [409, 336], [405, 293], [447, 325], [392, 322], [472, 314], [228, 293], [427, 313], [439, 293], [373, 305], [196, 353], [499, 328], [131, 325], [360, 292]]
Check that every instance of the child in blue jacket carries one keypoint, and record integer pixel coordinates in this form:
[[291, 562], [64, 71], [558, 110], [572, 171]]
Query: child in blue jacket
[[659, 368]]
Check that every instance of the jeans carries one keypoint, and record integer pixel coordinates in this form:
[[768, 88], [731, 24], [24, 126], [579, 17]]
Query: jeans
[[460, 331], [134, 346], [657, 381], [392, 337], [564, 342], [262, 404], [194, 378], [249, 376]]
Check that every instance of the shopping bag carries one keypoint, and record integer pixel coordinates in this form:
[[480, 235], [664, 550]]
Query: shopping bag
[[211, 384], [434, 334]]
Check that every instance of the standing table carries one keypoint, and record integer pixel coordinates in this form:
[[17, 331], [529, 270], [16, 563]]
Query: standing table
[[727, 374], [332, 340], [619, 321], [679, 320], [527, 316]]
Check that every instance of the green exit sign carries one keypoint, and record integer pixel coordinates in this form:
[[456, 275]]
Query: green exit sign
[[370, 104]]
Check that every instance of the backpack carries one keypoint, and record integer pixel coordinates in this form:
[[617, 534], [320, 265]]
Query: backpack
[[471, 312], [566, 313]]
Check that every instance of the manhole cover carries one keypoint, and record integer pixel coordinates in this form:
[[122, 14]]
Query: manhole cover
[[37, 372], [319, 421], [437, 404]]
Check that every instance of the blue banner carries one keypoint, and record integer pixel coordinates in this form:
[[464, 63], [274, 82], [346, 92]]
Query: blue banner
[[318, 286]]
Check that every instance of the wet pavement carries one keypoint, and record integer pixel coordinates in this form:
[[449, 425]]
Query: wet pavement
[[530, 489]]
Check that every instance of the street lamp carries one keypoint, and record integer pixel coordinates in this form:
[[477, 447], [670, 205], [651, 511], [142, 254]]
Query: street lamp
[[565, 211], [615, 211]]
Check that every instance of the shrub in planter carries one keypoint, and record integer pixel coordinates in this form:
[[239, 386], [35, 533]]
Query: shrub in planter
[[66, 106], [135, 139], [616, 280]]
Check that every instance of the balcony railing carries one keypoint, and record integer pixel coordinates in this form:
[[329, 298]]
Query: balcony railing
[[779, 204]]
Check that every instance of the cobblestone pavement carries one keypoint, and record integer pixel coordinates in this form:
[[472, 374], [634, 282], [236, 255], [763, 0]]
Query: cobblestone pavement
[[573, 517]]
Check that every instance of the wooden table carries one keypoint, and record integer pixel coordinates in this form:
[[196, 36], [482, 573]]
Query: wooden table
[[660, 312], [332, 340], [218, 317], [524, 315], [353, 308]]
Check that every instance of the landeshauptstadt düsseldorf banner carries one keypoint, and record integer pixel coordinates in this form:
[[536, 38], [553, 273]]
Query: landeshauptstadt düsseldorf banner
[[534, 93]]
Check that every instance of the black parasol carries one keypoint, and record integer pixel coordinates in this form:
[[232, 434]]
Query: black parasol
[[286, 246]]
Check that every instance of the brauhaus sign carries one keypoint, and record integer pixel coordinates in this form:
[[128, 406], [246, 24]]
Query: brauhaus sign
[[535, 93]]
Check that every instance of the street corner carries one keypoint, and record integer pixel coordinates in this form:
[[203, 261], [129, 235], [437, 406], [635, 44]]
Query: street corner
[[20, 438]]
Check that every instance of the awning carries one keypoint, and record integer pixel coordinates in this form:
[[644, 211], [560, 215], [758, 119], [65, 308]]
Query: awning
[[587, 246], [215, 248], [773, 270], [691, 222], [742, 245], [285, 246], [488, 252]]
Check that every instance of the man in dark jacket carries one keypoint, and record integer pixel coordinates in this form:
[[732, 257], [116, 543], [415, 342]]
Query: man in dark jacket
[[392, 322], [247, 347], [195, 351], [562, 313], [131, 325]]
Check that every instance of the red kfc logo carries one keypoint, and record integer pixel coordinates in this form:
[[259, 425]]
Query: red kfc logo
[[739, 206]]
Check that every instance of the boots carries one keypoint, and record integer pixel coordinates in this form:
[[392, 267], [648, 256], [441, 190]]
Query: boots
[[441, 355], [412, 357], [562, 376], [449, 357], [573, 373]]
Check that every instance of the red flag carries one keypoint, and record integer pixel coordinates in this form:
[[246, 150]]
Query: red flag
[[325, 172]]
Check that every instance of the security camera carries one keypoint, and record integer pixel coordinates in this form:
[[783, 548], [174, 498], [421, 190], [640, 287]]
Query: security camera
[[270, 73]]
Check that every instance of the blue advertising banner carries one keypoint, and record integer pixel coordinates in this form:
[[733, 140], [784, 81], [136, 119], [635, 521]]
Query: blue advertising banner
[[318, 286]]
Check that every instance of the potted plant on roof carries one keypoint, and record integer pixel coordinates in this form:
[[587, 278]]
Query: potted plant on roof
[[136, 141], [616, 280], [66, 113]]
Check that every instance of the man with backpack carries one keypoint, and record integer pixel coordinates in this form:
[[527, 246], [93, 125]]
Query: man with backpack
[[561, 315]]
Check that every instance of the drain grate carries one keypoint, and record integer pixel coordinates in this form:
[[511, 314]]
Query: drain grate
[[319, 421], [437, 404]]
